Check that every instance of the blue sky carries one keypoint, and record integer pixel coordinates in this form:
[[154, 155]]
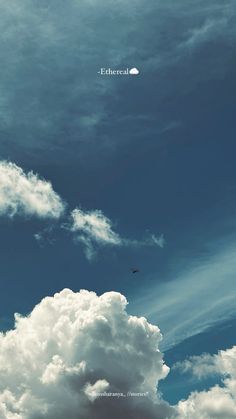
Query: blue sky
[[155, 153]]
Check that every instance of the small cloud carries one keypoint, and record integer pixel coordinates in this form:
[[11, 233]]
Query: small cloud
[[46, 236], [218, 401], [149, 240], [95, 225], [38, 237], [93, 229], [156, 240], [199, 366], [134, 71]]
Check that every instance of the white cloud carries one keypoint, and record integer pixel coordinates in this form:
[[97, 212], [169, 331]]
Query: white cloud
[[223, 363], [199, 366], [26, 194], [93, 228], [71, 348], [95, 225], [217, 402]]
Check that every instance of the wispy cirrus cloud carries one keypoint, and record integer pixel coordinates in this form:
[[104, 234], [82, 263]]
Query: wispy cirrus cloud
[[51, 95], [206, 32], [194, 299], [149, 240]]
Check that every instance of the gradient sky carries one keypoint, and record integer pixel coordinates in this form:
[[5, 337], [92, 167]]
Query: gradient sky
[[155, 153]]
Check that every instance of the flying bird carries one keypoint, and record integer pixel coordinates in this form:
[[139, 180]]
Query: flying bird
[[134, 270]]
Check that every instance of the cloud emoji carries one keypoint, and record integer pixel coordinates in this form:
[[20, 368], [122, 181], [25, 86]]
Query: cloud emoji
[[134, 71]]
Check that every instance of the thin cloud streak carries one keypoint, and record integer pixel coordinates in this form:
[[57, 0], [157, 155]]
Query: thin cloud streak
[[197, 299]]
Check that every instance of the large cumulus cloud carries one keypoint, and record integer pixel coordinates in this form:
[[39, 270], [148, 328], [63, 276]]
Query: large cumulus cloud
[[81, 356], [73, 347]]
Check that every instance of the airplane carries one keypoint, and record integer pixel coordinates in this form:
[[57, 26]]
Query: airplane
[[134, 270]]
